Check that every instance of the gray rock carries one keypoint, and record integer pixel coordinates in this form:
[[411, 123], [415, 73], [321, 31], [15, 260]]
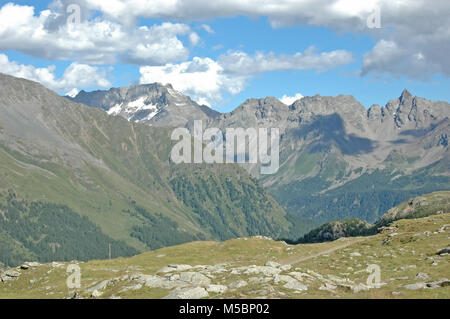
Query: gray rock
[[283, 278], [272, 264], [422, 276], [286, 267], [175, 267], [195, 278], [217, 289], [238, 284], [264, 270], [100, 286], [295, 285], [159, 282], [301, 275], [416, 286], [188, 293], [439, 283], [444, 251]]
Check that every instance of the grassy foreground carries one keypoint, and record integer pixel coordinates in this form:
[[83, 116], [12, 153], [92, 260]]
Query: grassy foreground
[[406, 253]]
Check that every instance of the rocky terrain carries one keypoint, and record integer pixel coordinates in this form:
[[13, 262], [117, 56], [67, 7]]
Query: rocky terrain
[[412, 257]]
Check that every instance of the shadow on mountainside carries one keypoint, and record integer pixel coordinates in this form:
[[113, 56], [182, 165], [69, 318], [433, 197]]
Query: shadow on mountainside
[[331, 130]]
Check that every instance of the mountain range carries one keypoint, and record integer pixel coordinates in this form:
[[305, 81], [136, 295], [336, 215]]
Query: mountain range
[[337, 159], [75, 180], [85, 173]]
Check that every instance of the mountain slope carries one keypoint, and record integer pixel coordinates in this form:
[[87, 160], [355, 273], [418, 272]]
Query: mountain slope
[[418, 207], [116, 173]]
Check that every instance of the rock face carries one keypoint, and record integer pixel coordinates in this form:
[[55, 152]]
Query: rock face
[[153, 104]]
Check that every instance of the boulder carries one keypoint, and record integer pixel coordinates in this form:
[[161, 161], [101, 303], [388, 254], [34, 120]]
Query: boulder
[[422, 276], [195, 278], [282, 278], [295, 285], [217, 289], [188, 293], [264, 270], [272, 264], [175, 267], [238, 284], [416, 286], [286, 267]]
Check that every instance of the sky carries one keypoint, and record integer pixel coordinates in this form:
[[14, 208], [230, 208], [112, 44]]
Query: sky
[[223, 52]]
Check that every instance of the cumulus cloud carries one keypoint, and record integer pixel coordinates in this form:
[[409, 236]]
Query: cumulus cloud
[[203, 79], [288, 100], [241, 63], [94, 41], [416, 31], [418, 43], [206, 80], [76, 75]]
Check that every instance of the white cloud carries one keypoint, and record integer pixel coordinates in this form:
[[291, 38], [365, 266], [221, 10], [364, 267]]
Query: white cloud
[[288, 100], [202, 79], [420, 29], [206, 80], [194, 38], [239, 62], [95, 41], [76, 75], [207, 28]]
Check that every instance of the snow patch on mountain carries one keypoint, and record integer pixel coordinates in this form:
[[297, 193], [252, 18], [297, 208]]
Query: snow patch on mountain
[[72, 93], [133, 107]]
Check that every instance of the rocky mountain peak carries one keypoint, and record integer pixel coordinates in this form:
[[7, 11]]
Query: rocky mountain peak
[[154, 104], [406, 96]]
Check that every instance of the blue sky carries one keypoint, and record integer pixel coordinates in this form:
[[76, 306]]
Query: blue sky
[[254, 52]]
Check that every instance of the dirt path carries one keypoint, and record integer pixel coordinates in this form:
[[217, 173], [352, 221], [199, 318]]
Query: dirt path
[[293, 260]]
